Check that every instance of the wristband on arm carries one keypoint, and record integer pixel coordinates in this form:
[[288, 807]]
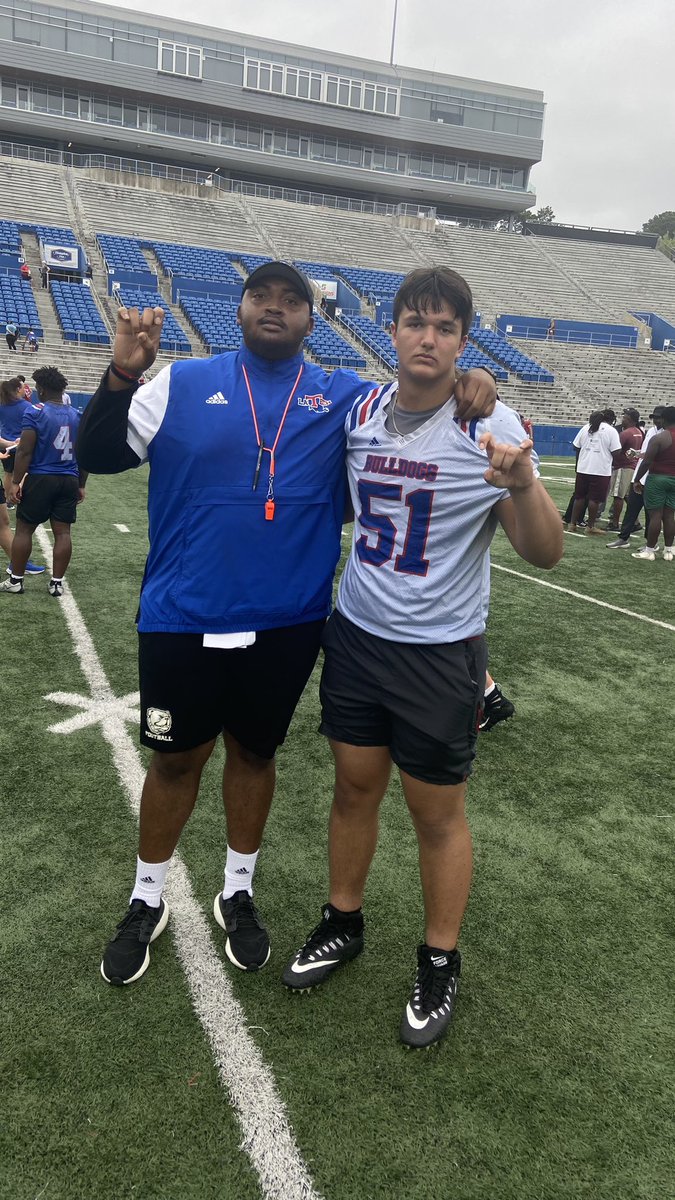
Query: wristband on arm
[[122, 375]]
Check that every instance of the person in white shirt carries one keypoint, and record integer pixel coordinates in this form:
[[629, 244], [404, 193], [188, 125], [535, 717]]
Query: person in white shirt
[[598, 444]]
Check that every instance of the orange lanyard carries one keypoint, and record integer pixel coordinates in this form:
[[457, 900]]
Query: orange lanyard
[[269, 502]]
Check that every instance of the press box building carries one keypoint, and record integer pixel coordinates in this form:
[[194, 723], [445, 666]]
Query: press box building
[[85, 77]]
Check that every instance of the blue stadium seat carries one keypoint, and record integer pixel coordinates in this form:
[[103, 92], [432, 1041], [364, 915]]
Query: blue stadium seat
[[78, 315], [195, 262], [17, 303], [215, 321], [501, 350], [173, 337], [122, 253]]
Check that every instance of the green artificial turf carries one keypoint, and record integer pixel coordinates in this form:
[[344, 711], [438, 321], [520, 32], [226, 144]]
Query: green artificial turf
[[556, 1079]]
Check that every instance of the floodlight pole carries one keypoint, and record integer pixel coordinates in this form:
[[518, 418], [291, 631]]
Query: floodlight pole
[[393, 34]]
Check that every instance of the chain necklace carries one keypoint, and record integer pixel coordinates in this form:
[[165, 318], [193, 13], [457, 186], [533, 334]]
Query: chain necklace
[[393, 419]]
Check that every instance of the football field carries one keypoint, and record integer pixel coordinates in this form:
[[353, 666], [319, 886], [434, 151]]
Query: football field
[[557, 1077]]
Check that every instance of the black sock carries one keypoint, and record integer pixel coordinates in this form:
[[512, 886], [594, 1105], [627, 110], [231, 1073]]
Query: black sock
[[354, 917]]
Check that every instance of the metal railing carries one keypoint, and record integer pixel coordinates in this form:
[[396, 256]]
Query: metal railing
[[208, 178], [573, 337]]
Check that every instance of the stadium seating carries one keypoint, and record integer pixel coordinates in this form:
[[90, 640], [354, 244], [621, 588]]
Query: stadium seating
[[173, 337], [316, 270], [373, 285], [122, 253], [78, 315], [10, 240], [53, 235], [330, 349], [502, 351], [214, 320], [251, 261], [195, 262], [377, 339], [17, 303]]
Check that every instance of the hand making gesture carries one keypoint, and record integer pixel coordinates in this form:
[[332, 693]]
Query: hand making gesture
[[510, 466], [137, 339]]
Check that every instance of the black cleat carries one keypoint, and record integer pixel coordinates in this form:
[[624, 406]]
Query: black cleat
[[335, 941], [496, 708], [432, 1000], [55, 587], [248, 943], [127, 955]]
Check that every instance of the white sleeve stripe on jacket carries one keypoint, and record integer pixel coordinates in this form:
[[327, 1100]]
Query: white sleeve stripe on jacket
[[146, 412]]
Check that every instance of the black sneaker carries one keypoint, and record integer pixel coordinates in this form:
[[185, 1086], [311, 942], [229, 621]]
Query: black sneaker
[[335, 941], [248, 943], [127, 955], [432, 999], [496, 708]]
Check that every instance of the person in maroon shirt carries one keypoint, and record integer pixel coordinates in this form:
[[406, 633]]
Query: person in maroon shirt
[[659, 461], [631, 438]]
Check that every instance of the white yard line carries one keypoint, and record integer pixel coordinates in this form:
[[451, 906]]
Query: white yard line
[[627, 612], [267, 1136], [556, 479], [121, 528]]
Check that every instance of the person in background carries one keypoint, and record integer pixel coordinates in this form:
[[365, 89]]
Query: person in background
[[659, 463], [598, 444], [631, 438], [46, 484], [27, 389], [11, 331], [24, 272], [31, 339], [635, 500], [12, 408]]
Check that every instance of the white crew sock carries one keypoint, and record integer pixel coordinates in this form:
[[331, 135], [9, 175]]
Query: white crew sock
[[150, 880], [239, 870], [490, 690]]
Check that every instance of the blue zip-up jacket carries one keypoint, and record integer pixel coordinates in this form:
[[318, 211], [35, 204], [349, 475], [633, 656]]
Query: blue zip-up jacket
[[215, 564]]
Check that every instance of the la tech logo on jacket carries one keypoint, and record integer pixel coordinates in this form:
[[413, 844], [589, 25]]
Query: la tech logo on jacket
[[314, 403]]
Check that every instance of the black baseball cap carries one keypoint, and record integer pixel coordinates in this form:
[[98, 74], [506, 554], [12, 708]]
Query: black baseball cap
[[633, 412], [659, 410], [282, 270]]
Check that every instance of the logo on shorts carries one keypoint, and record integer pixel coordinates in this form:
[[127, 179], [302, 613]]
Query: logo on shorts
[[158, 721]]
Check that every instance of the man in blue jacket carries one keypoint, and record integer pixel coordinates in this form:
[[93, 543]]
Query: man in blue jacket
[[245, 503]]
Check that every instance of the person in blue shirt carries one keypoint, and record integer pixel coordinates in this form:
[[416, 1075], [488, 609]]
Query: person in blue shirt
[[12, 407], [47, 483], [246, 499]]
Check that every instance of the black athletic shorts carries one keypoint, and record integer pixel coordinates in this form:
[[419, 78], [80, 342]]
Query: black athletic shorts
[[421, 701], [49, 497], [190, 693]]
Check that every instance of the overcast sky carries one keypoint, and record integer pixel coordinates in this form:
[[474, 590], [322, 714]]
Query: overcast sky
[[606, 68]]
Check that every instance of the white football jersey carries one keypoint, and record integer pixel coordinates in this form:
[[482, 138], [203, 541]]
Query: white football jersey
[[419, 568]]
